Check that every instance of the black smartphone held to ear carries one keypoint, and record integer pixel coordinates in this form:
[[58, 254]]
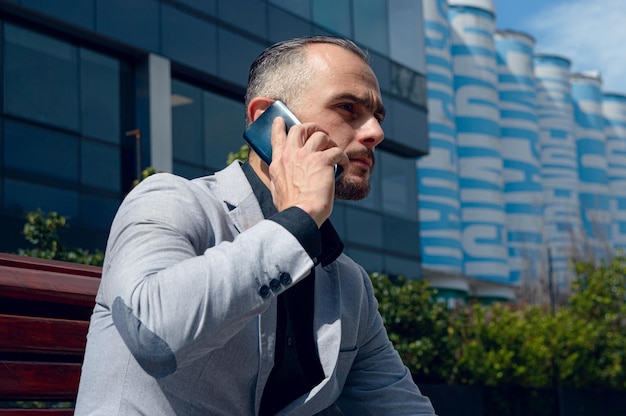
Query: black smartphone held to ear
[[259, 134]]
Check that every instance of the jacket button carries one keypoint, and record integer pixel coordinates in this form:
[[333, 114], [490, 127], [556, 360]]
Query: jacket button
[[264, 291], [285, 278], [275, 285]]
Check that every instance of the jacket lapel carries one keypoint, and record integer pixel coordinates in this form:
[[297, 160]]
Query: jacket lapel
[[327, 322], [240, 202]]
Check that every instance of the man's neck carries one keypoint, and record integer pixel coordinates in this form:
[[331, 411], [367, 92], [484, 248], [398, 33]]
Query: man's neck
[[260, 168]]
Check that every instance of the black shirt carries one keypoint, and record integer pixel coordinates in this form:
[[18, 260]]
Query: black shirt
[[297, 368]]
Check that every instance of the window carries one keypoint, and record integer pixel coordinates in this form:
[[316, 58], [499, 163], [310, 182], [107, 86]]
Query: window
[[100, 96], [187, 128], [224, 125], [301, 8], [40, 152], [62, 124], [406, 34], [370, 24], [205, 128], [60, 85], [40, 73], [399, 187], [364, 227], [333, 15]]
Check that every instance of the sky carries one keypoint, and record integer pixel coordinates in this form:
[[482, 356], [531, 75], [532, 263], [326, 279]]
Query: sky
[[590, 33]]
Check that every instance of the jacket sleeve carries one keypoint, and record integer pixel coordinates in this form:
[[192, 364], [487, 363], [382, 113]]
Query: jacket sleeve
[[177, 282], [378, 382]]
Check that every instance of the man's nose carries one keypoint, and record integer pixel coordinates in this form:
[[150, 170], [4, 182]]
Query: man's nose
[[371, 132]]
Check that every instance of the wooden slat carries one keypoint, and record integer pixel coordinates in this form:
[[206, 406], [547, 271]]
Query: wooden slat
[[50, 288], [37, 285], [39, 381], [31, 263], [42, 335]]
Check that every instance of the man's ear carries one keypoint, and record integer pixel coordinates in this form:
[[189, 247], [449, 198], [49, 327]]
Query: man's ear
[[257, 106]]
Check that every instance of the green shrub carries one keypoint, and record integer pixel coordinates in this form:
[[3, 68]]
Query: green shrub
[[42, 231], [501, 344], [582, 345], [593, 327], [420, 328], [241, 154]]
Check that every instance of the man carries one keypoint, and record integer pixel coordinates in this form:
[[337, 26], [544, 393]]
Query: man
[[229, 294]]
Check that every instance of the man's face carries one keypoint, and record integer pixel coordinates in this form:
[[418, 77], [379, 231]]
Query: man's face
[[343, 97]]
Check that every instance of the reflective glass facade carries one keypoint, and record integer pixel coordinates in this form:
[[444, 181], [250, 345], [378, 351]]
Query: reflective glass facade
[[84, 84], [205, 128], [61, 129]]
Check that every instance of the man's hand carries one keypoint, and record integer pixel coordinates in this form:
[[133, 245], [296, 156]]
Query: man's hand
[[302, 169]]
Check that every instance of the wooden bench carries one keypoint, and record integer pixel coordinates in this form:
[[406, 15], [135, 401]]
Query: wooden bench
[[45, 307]]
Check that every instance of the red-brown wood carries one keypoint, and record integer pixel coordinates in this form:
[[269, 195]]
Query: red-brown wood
[[47, 280], [42, 335], [36, 293], [24, 262], [39, 380]]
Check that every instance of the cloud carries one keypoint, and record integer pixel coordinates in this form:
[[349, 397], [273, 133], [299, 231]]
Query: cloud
[[591, 33]]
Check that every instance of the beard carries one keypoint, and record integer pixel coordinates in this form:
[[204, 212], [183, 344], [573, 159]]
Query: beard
[[351, 189]]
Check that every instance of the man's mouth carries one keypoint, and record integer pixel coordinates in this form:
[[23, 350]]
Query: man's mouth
[[363, 158], [365, 161]]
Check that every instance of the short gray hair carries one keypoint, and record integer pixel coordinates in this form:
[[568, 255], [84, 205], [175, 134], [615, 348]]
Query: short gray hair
[[281, 70]]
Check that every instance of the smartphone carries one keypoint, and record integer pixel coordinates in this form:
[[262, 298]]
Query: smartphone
[[259, 134]]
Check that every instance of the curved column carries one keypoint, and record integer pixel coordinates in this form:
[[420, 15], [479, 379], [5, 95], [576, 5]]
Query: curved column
[[614, 111], [519, 135], [483, 230], [559, 162], [592, 165], [439, 208]]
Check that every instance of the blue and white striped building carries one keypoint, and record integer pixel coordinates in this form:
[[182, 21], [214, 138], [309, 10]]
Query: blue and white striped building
[[614, 110], [483, 231], [559, 162], [519, 139], [592, 165], [439, 207], [535, 155]]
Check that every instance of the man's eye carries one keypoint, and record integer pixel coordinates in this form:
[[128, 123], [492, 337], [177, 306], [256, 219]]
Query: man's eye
[[348, 107]]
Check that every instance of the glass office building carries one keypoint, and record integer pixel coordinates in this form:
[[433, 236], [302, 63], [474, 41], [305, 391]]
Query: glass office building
[[93, 91]]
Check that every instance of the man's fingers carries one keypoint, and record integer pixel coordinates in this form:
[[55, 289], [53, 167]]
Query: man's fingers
[[320, 142], [301, 172], [300, 134], [311, 139], [343, 159], [279, 134]]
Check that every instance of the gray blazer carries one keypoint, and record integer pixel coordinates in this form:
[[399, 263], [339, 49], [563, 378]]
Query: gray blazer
[[180, 326]]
